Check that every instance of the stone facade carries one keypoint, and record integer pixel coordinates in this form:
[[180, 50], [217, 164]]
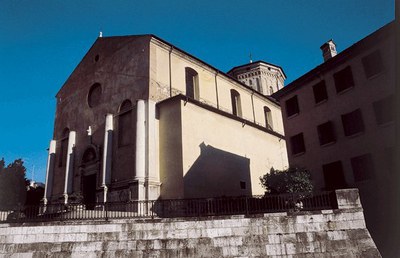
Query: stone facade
[[326, 233]]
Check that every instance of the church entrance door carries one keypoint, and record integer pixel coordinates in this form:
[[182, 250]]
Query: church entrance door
[[89, 190]]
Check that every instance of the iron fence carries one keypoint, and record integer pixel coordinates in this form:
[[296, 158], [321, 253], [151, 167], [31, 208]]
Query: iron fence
[[176, 208]]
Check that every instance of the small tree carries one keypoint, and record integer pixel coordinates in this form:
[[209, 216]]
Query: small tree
[[291, 180], [12, 185]]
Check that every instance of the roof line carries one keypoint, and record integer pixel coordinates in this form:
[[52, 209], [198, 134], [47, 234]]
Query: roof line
[[258, 61], [334, 60]]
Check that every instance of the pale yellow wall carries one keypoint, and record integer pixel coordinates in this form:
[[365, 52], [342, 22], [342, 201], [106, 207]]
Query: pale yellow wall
[[277, 123], [182, 132], [211, 83], [262, 149]]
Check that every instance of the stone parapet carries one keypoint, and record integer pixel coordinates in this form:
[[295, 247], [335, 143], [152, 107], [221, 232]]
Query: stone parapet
[[340, 232]]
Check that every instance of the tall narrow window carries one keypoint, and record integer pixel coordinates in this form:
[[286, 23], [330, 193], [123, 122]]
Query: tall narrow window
[[292, 106], [384, 110], [334, 176], [63, 148], [363, 167], [320, 93], [353, 123], [343, 79], [297, 144], [94, 95], [326, 133], [236, 105], [271, 90], [125, 132], [192, 83], [268, 118], [372, 64]]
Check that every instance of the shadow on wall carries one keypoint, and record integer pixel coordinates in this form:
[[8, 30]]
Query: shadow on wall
[[217, 173]]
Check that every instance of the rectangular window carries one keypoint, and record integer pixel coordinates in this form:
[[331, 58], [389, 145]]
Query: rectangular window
[[353, 123], [326, 133], [297, 144], [372, 64], [334, 176], [320, 93], [292, 106], [363, 167], [343, 79], [384, 110]]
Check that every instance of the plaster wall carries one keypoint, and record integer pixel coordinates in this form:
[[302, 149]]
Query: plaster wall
[[170, 150], [377, 140], [167, 64], [205, 154]]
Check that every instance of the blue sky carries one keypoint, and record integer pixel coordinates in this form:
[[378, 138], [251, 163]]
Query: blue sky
[[42, 41]]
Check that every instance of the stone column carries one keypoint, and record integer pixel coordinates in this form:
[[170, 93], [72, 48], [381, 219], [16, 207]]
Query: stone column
[[140, 139], [140, 148], [49, 171], [107, 154], [69, 169], [152, 183]]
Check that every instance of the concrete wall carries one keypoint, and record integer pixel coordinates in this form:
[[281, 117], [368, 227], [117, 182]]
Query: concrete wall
[[326, 233]]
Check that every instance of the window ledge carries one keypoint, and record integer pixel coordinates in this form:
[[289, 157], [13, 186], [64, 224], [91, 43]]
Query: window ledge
[[345, 90], [375, 75], [294, 115], [328, 144], [321, 102], [355, 135], [386, 124], [298, 154]]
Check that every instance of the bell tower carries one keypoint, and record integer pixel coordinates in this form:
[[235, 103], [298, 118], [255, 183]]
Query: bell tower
[[261, 76]]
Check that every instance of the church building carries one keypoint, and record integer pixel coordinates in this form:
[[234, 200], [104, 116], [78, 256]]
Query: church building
[[140, 119]]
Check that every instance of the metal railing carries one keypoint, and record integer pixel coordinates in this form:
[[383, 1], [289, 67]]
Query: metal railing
[[177, 208]]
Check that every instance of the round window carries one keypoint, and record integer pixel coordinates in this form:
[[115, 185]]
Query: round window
[[94, 96]]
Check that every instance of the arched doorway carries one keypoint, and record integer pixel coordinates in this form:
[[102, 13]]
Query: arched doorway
[[90, 169]]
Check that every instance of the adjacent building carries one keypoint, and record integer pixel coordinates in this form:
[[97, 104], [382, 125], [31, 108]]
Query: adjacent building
[[339, 123], [140, 119]]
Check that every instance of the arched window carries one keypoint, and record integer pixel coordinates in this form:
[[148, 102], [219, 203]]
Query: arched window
[[250, 82], [63, 148], [236, 105], [268, 118], [192, 83], [94, 95], [271, 90], [89, 156], [125, 132]]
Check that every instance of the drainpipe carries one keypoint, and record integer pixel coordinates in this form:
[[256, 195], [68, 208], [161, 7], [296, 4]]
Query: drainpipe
[[252, 105], [170, 73], [216, 88]]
